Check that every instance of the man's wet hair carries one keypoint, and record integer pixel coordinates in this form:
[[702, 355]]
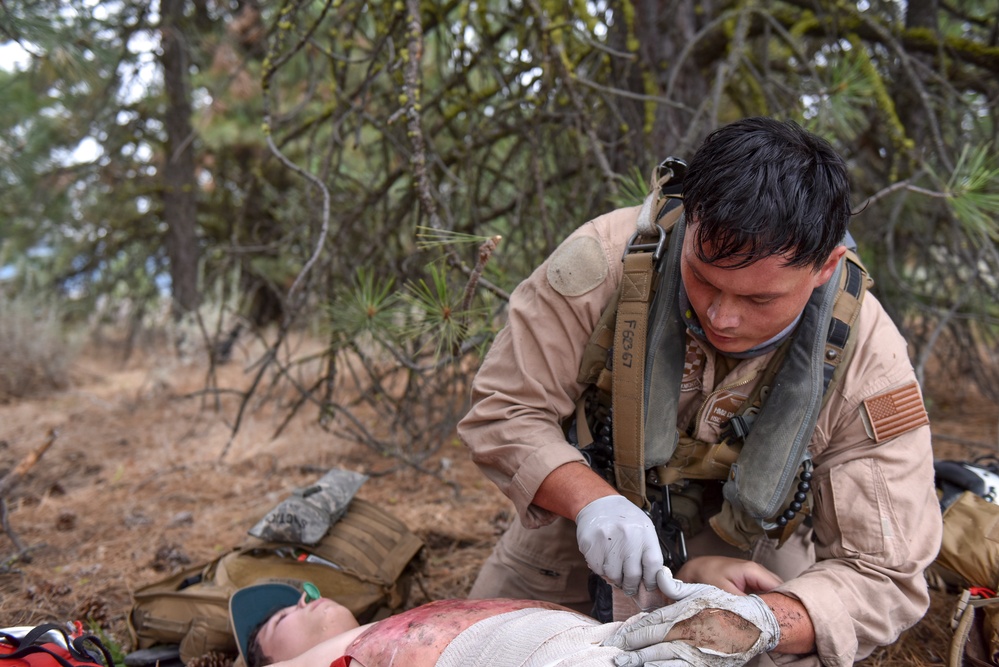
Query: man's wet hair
[[760, 187], [255, 656]]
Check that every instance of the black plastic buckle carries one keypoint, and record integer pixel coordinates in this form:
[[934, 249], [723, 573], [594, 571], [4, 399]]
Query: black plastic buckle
[[737, 428], [671, 538]]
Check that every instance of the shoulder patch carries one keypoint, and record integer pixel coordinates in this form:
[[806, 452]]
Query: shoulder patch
[[895, 412], [577, 266]]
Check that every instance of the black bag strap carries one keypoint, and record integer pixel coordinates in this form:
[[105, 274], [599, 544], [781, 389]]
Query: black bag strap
[[85, 645], [77, 647], [36, 634]]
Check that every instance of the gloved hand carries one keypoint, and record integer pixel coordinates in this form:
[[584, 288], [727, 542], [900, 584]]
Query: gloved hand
[[672, 588], [619, 543], [645, 638]]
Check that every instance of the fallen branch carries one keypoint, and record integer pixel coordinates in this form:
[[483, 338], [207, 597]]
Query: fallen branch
[[15, 475], [6, 484]]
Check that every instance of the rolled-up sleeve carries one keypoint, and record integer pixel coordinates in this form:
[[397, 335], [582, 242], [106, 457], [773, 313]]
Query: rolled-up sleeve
[[527, 385], [876, 517]]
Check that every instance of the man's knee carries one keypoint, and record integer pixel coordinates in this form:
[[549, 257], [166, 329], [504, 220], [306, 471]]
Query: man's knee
[[536, 564]]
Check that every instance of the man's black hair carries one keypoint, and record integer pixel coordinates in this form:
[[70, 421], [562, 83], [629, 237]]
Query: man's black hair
[[760, 187], [255, 656]]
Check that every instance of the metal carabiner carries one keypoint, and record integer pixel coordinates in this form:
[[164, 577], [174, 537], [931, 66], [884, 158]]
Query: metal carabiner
[[672, 169], [657, 247]]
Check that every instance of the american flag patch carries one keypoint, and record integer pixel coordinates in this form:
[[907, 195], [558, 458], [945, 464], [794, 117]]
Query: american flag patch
[[895, 412]]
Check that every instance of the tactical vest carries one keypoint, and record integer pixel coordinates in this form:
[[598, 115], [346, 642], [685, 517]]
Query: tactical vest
[[637, 352]]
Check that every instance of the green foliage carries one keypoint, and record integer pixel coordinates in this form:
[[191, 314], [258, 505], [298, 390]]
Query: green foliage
[[973, 187], [436, 318], [428, 238], [841, 100], [392, 141], [367, 306], [633, 190]]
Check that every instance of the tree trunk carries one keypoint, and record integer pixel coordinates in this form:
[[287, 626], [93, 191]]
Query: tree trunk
[[910, 105], [179, 190], [661, 29]]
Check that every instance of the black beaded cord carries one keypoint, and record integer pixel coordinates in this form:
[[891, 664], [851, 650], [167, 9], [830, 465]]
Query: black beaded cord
[[795, 506], [600, 454]]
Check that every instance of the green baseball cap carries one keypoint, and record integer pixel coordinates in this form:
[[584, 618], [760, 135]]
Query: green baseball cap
[[253, 605]]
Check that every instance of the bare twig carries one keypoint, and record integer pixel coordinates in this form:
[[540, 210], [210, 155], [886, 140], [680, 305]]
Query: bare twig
[[269, 356], [19, 547], [903, 185], [486, 251]]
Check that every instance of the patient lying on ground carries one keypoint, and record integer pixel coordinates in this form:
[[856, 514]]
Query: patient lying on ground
[[276, 625], [446, 632]]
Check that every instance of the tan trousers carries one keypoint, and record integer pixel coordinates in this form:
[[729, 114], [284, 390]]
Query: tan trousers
[[537, 564], [545, 564]]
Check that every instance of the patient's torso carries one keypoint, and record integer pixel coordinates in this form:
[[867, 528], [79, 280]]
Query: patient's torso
[[416, 638]]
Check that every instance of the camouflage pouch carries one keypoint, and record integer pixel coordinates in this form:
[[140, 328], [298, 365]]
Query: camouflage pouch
[[307, 515]]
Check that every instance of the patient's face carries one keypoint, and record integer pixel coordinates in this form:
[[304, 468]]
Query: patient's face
[[294, 630]]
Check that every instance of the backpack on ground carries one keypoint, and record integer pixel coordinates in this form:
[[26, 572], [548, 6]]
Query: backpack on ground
[[49, 645], [365, 562], [969, 557]]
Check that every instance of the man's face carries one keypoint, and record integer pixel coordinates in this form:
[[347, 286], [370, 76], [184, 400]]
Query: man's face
[[293, 630], [742, 308]]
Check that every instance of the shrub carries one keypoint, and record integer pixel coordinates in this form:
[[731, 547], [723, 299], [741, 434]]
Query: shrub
[[34, 352]]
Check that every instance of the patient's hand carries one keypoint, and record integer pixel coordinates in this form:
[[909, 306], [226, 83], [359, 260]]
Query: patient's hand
[[705, 626], [733, 575]]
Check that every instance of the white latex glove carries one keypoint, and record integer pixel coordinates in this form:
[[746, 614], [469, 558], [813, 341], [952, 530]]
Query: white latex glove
[[644, 637], [672, 588], [619, 543]]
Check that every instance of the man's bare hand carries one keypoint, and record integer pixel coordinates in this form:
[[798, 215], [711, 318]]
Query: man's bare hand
[[735, 575]]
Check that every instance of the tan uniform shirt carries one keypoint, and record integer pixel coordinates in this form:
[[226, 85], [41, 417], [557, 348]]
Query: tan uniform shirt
[[876, 519]]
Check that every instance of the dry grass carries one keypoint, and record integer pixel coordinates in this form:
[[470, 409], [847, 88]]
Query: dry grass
[[925, 644], [134, 487]]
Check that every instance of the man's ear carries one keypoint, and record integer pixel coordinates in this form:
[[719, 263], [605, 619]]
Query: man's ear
[[823, 275]]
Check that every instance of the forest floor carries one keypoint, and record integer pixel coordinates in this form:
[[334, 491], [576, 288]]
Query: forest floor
[[133, 488]]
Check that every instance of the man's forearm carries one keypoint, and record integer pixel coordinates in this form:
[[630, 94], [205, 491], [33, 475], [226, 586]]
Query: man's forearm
[[797, 634], [569, 488]]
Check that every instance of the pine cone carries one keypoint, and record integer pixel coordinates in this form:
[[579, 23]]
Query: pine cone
[[94, 610], [211, 659], [170, 558]]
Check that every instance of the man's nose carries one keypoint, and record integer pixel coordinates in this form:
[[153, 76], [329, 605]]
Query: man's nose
[[723, 313]]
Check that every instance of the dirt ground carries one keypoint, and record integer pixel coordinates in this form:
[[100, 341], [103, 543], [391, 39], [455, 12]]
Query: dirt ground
[[133, 488]]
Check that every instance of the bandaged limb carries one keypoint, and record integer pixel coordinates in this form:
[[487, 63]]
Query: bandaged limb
[[619, 543], [705, 626]]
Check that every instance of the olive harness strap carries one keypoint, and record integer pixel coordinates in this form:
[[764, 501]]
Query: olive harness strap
[[630, 387], [629, 367]]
